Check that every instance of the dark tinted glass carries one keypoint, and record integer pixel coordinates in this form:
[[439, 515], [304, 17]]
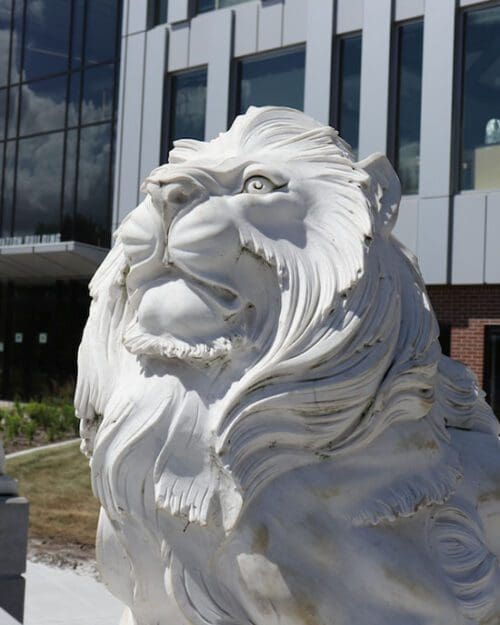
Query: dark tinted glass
[[492, 367], [38, 185], [100, 41], [97, 101], [46, 38], [92, 216], [5, 12], [43, 105], [159, 12], [69, 185], [8, 188], [77, 34], [349, 90], [3, 112], [229, 3], [409, 99], [17, 42], [189, 96], [205, 5], [74, 98], [480, 159], [13, 111], [274, 79]]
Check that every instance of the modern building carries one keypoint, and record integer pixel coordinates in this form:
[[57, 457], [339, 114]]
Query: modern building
[[416, 79], [59, 64]]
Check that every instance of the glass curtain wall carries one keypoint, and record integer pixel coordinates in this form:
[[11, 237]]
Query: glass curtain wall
[[184, 115], [479, 166], [408, 105], [57, 114], [348, 89], [492, 368], [210, 5], [276, 78]]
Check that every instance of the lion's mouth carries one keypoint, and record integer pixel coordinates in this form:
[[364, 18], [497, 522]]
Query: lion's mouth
[[182, 317]]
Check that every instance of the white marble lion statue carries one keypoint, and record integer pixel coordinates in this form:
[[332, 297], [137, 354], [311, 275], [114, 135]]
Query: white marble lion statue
[[273, 432]]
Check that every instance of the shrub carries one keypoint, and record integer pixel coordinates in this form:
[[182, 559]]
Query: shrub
[[12, 424]]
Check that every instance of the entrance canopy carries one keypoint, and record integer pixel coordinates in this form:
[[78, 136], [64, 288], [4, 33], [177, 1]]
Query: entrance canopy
[[63, 260]]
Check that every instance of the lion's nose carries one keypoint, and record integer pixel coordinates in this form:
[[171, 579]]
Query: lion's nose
[[179, 193]]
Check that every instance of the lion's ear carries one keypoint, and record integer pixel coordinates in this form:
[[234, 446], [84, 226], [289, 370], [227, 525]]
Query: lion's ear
[[384, 190]]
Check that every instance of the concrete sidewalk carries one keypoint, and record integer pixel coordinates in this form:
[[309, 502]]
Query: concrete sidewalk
[[62, 597]]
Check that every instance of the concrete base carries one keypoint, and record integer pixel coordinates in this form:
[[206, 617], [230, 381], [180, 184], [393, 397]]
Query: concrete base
[[13, 546]]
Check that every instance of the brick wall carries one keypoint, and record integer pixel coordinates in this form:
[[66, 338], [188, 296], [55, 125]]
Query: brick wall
[[467, 309]]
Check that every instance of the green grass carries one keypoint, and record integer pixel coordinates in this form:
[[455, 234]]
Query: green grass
[[56, 483]]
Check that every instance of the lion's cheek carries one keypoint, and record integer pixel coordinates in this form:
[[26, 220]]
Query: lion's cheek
[[175, 308]]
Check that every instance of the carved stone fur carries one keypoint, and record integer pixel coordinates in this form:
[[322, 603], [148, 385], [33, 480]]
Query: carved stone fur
[[273, 432]]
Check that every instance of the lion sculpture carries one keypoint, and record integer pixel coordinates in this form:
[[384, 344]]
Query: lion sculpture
[[274, 434]]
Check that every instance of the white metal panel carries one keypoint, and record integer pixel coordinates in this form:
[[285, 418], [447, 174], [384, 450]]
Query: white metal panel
[[318, 74], [408, 9], [350, 15], [128, 190], [437, 98], [203, 33], [178, 10], [270, 25], [432, 239], [492, 252], [465, 3], [118, 144], [469, 218], [295, 21], [137, 16], [246, 19], [406, 228], [154, 71], [219, 40], [375, 61], [178, 47]]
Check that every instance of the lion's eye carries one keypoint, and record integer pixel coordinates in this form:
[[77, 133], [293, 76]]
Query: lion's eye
[[258, 184]]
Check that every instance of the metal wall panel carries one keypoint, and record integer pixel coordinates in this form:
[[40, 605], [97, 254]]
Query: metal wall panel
[[318, 74], [201, 37], [156, 45], [219, 44], [432, 239], [131, 114], [465, 3], [375, 57], [178, 47], [469, 218], [119, 129], [437, 97], [406, 228], [178, 10], [270, 25], [246, 19], [137, 16], [408, 9], [492, 252], [349, 15], [295, 21]]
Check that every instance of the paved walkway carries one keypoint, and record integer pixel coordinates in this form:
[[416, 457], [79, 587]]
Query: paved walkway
[[32, 450], [62, 597]]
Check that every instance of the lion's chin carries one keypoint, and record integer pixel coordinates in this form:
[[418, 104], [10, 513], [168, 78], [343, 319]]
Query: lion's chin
[[142, 343]]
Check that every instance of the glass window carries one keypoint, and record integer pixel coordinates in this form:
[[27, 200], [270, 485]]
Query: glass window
[[67, 227], [100, 39], [77, 33], [492, 368], [38, 184], [188, 98], [17, 42], [97, 101], [349, 86], [159, 10], [480, 149], [74, 98], [13, 112], [8, 188], [43, 105], [3, 112], [205, 5], [5, 13], [408, 105], [272, 79], [92, 224], [46, 37]]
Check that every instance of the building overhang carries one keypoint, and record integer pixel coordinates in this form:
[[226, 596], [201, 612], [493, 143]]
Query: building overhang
[[50, 261]]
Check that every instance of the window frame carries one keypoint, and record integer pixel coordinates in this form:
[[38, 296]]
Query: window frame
[[489, 330]]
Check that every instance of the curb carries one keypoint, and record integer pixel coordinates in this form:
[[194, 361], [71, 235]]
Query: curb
[[33, 450]]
